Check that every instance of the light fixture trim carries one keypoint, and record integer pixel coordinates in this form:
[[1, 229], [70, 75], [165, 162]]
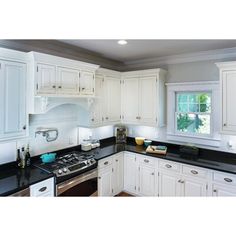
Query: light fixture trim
[[122, 42]]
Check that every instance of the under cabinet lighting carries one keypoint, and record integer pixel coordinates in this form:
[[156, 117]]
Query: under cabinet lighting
[[122, 42]]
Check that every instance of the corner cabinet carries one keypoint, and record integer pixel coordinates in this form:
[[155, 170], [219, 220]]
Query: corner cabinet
[[57, 77], [227, 72], [13, 108], [143, 97]]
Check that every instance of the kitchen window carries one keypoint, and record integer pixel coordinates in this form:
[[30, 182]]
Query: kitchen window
[[193, 113]]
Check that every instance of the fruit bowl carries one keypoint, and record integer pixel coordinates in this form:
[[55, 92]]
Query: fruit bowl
[[139, 140]]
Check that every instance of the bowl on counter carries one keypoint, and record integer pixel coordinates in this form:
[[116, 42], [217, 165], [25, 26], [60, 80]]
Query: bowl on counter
[[147, 142], [139, 140], [48, 157]]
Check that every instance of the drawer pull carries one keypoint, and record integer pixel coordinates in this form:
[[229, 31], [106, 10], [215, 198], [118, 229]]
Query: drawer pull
[[145, 160], [116, 160], [215, 191], [194, 172], [228, 180], [42, 189], [168, 166], [106, 162]]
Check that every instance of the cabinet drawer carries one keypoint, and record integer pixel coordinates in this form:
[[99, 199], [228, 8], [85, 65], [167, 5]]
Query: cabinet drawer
[[44, 188], [224, 178], [105, 162], [194, 171], [144, 160], [170, 166]]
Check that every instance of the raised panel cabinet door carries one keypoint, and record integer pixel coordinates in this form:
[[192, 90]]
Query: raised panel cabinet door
[[147, 181], [130, 100], [97, 108], [228, 93], [46, 79], [105, 182], [194, 188], [118, 173], [87, 83], [169, 185], [147, 100], [223, 191], [113, 99], [68, 81], [13, 99], [130, 173]]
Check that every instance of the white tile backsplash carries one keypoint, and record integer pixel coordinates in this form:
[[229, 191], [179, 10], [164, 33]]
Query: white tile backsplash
[[7, 152]]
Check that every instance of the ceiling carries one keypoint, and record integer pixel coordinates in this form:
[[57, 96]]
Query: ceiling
[[143, 49]]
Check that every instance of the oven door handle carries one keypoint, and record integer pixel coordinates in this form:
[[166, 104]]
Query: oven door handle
[[64, 186]]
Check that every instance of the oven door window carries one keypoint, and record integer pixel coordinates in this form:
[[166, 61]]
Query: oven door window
[[86, 188]]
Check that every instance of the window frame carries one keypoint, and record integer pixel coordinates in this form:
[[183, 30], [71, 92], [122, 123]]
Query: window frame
[[199, 113], [213, 139]]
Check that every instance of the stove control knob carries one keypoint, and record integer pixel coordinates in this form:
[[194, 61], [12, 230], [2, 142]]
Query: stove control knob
[[64, 170], [59, 172]]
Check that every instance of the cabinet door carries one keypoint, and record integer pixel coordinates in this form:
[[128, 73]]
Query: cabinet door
[[97, 108], [118, 173], [223, 191], [169, 185], [146, 181], [147, 100], [105, 182], [113, 99], [130, 173], [68, 81], [130, 100], [13, 99], [86, 83], [229, 111], [194, 188], [46, 79]]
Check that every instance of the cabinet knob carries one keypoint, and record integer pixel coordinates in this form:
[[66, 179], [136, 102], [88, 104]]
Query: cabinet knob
[[59, 87], [105, 163], [152, 173], [116, 160], [107, 118], [215, 191], [179, 181], [92, 119], [99, 177], [54, 86], [137, 117], [24, 127], [83, 88], [224, 124]]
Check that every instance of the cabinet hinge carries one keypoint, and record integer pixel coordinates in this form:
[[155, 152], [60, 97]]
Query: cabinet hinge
[[156, 79], [207, 187], [93, 89], [37, 69], [37, 86], [112, 190], [79, 74], [120, 116], [139, 189], [112, 170], [139, 168], [158, 174], [158, 195], [0, 66], [134, 187], [156, 119], [102, 80], [135, 158]]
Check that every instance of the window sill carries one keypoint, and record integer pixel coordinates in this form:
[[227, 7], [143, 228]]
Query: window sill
[[206, 141]]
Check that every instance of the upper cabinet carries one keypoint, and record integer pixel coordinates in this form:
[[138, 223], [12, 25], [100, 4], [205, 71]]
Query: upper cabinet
[[228, 96], [52, 76], [143, 97], [13, 109]]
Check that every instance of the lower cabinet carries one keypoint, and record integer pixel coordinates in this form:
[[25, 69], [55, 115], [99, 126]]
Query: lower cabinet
[[44, 188], [111, 175], [194, 188], [223, 191]]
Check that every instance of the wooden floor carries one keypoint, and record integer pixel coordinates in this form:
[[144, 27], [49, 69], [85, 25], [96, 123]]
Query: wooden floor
[[124, 194]]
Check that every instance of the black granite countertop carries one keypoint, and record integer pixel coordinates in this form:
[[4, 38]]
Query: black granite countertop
[[13, 179]]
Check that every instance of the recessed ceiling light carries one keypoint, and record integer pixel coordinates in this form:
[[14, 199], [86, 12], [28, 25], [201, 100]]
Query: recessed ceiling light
[[122, 42]]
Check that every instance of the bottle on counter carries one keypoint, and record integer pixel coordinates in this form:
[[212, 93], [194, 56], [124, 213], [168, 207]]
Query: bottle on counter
[[27, 156], [18, 159], [22, 157]]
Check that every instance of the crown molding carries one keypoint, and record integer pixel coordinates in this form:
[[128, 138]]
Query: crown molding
[[218, 54]]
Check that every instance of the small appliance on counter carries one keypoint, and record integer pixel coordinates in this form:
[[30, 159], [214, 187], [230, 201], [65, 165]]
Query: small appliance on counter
[[89, 144], [121, 134]]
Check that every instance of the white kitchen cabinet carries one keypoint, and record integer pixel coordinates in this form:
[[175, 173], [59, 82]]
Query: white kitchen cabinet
[[13, 108], [169, 184], [105, 182], [68, 81], [143, 97], [228, 96], [87, 83], [46, 79], [219, 190], [194, 188], [130, 100], [147, 181], [118, 173], [44, 188], [130, 173], [112, 89]]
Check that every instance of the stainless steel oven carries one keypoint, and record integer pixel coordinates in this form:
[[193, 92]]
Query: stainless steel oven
[[82, 185]]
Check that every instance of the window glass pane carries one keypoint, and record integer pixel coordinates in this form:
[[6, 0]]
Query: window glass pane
[[193, 123], [183, 107], [205, 108], [204, 98], [182, 97], [193, 107], [194, 98]]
